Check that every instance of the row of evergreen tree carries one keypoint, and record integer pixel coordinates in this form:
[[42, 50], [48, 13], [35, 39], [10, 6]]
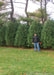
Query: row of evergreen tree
[[20, 35]]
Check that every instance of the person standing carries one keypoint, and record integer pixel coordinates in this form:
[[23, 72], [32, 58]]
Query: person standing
[[36, 42]]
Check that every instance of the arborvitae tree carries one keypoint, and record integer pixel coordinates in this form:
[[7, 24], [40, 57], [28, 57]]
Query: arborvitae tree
[[2, 36], [21, 36], [35, 27], [47, 35], [11, 32], [1, 23]]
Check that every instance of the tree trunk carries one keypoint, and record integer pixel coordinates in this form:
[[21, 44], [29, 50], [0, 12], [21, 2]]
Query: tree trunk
[[12, 8], [26, 11], [26, 8], [41, 12], [45, 11]]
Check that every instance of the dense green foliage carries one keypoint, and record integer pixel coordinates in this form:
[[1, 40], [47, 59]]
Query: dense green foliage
[[11, 32], [21, 36], [35, 27], [2, 35], [47, 35], [1, 23]]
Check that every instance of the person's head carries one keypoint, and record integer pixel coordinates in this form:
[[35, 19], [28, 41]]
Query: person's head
[[35, 34]]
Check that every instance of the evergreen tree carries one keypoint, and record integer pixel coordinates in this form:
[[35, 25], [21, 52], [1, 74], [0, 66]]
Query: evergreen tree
[[11, 32], [21, 36], [35, 27], [47, 35]]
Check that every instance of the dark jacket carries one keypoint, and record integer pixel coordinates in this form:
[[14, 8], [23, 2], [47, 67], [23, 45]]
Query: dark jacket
[[35, 39]]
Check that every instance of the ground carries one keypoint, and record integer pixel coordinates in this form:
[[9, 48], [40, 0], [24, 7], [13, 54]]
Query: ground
[[15, 61]]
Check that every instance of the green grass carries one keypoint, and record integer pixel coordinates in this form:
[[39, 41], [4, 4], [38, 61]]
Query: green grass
[[26, 62]]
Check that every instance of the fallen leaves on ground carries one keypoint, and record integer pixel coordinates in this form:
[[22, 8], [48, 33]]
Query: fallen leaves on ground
[[44, 69], [19, 67]]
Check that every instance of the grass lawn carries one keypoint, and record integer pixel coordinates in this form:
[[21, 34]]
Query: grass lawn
[[26, 62]]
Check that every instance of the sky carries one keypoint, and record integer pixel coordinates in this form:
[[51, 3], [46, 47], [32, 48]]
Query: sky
[[19, 9], [32, 7], [50, 9]]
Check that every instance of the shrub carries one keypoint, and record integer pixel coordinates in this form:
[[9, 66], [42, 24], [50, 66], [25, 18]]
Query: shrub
[[1, 23], [11, 32], [2, 36], [35, 27], [47, 35], [21, 36]]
